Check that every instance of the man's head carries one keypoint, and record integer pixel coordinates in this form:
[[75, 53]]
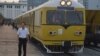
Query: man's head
[[23, 24]]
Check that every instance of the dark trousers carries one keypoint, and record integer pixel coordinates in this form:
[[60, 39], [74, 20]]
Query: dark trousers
[[22, 43]]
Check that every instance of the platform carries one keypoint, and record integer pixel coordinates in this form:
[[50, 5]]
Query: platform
[[9, 43]]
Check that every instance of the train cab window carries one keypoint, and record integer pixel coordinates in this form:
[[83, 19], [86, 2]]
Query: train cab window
[[74, 17], [55, 17], [63, 17]]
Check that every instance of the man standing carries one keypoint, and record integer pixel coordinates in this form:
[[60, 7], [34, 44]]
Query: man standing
[[23, 33]]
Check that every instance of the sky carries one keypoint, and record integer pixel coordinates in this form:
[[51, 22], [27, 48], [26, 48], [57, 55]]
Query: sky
[[9, 0], [13, 0]]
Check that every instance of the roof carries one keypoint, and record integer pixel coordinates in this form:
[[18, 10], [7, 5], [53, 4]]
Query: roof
[[11, 3], [55, 3]]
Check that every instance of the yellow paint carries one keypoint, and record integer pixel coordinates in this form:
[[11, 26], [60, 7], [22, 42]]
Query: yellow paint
[[42, 33], [93, 19]]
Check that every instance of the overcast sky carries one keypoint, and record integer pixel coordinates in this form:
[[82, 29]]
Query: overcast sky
[[9, 0]]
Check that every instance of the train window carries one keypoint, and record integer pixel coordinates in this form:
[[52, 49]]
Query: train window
[[37, 18], [62, 17], [55, 17], [97, 29], [74, 17]]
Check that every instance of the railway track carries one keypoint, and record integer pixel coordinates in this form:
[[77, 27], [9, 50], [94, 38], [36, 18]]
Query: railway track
[[94, 48]]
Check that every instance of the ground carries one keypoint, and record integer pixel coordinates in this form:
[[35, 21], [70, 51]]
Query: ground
[[9, 45]]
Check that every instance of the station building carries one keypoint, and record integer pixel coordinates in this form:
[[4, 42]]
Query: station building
[[12, 9], [91, 4]]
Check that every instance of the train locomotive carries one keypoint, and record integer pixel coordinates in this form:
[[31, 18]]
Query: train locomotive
[[59, 25]]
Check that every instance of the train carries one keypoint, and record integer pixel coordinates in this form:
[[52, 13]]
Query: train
[[59, 25], [92, 28]]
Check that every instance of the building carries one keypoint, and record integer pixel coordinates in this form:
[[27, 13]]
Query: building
[[81, 1], [23, 1], [11, 10], [91, 4], [34, 3]]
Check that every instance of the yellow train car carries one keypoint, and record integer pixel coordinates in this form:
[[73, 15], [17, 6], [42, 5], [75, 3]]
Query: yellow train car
[[93, 27], [59, 25]]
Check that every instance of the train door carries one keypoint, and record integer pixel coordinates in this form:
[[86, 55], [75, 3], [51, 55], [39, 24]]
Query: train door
[[97, 35], [32, 17]]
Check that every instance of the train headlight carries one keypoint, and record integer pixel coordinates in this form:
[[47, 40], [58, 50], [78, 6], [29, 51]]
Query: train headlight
[[77, 33], [62, 2], [69, 3], [52, 33]]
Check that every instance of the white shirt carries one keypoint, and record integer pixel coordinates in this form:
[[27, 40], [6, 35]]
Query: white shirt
[[22, 33]]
